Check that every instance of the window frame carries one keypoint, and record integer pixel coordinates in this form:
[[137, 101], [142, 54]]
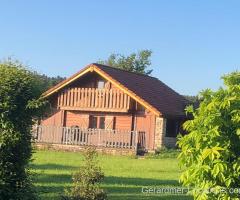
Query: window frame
[[102, 85], [97, 123]]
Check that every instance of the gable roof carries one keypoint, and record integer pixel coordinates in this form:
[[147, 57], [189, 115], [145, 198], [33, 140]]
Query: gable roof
[[148, 91]]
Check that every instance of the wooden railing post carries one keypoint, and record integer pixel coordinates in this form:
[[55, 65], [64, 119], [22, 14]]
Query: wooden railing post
[[99, 138], [136, 140]]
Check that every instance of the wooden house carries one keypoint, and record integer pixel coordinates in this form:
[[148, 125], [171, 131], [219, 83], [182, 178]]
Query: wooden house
[[112, 108]]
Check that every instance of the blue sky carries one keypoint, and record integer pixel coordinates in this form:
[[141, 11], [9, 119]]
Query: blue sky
[[193, 42]]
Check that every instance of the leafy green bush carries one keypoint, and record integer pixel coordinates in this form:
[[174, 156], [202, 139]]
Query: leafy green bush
[[211, 150], [17, 107], [86, 181]]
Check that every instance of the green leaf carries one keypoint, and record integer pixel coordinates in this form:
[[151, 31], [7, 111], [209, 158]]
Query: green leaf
[[206, 153], [228, 182], [215, 170], [238, 132]]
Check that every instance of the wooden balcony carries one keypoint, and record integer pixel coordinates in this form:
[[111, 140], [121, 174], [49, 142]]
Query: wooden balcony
[[92, 99]]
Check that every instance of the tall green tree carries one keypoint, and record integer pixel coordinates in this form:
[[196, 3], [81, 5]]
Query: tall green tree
[[211, 151], [135, 62], [193, 100], [19, 93], [45, 82]]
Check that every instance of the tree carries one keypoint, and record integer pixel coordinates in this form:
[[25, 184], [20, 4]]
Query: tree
[[135, 62], [210, 152], [193, 100], [45, 82], [86, 181], [18, 104]]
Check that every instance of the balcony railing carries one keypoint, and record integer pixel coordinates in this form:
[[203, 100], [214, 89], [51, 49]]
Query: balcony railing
[[84, 137], [94, 99]]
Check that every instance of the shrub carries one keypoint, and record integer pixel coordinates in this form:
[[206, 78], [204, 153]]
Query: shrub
[[17, 107], [86, 181], [211, 150], [163, 153]]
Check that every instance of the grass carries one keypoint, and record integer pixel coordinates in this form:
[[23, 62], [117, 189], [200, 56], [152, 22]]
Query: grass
[[164, 153], [124, 176]]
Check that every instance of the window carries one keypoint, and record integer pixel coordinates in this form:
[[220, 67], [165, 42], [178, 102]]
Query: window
[[92, 121], [100, 84], [172, 128], [97, 122], [102, 122]]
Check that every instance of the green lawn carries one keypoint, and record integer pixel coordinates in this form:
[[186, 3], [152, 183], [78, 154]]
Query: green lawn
[[125, 176]]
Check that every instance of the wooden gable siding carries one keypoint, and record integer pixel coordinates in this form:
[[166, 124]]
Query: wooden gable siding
[[89, 81]]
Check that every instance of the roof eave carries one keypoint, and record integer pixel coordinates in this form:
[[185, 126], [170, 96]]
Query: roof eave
[[69, 80]]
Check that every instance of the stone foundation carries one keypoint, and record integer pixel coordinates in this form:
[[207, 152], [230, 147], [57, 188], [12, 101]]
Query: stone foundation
[[75, 148]]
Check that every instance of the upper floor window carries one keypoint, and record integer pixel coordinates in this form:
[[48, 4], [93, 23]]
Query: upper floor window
[[100, 84], [172, 128]]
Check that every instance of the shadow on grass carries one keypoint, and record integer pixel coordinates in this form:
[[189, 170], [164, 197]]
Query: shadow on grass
[[51, 166], [51, 186], [138, 181], [54, 179]]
